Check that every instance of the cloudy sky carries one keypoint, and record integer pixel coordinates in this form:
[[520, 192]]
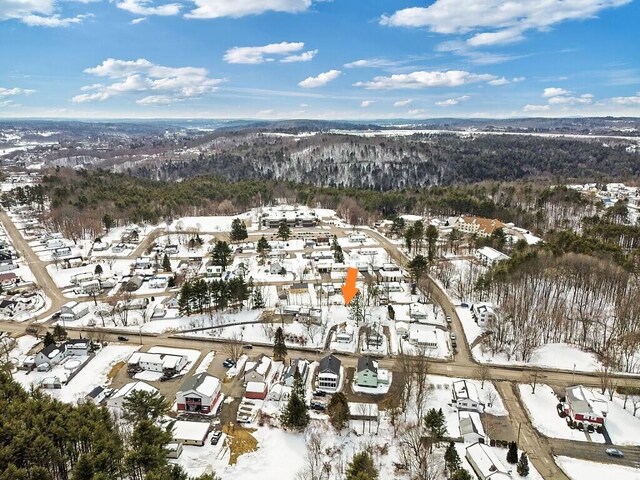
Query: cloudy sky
[[349, 59]]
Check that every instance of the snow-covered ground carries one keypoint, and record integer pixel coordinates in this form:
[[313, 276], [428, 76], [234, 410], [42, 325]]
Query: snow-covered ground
[[584, 470], [552, 355], [545, 418], [92, 375]]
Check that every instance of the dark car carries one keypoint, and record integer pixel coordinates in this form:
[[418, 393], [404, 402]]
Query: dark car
[[248, 347], [320, 393], [614, 452], [215, 438], [228, 363], [123, 339], [318, 406]]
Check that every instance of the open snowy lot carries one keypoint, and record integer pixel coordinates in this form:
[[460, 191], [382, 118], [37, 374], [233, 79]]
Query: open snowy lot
[[583, 469], [552, 355]]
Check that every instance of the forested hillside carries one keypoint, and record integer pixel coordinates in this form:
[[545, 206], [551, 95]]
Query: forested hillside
[[382, 163]]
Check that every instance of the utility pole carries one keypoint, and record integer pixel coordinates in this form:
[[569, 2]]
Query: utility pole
[[519, 427]]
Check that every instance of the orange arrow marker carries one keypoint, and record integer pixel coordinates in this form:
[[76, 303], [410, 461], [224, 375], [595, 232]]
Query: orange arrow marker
[[349, 288]]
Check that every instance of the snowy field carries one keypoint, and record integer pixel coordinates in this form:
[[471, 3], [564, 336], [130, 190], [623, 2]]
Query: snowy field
[[584, 469], [552, 355]]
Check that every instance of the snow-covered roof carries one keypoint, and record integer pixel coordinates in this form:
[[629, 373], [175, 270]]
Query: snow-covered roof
[[359, 409], [464, 389], [492, 253], [485, 460], [166, 360], [470, 423], [256, 387], [202, 383], [195, 431], [129, 388], [583, 400]]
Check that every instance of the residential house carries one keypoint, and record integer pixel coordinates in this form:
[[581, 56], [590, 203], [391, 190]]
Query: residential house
[[257, 371], [485, 463], [96, 396], [298, 365], [488, 256], [156, 362], [471, 429], [423, 338], [389, 273], [72, 311], [329, 373], [484, 314], [51, 355], [118, 398], [465, 396], [363, 411], [198, 393], [134, 283], [482, 227], [191, 433], [213, 271], [582, 406], [256, 390], [367, 372], [8, 280]]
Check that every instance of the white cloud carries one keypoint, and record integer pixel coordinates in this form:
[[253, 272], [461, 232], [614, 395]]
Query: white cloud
[[422, 79], [148, 7], [453, 101], [402, 103], [474, 56], [252, 55], [536, 108], [415, 111], [37, 13], [367, 103], [634, 100], [554, 92], [371, 63], [136, 21], [492, 22], [585, 99], [303, 57], [163, 85], [10, 92], [320, 80], [241, 8]]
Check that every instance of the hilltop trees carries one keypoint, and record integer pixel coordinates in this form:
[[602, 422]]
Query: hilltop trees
[[201, 296]]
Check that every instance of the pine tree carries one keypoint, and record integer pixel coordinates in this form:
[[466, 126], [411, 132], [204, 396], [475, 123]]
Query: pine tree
[[284, 232], [221, 254], [108, 222], [451, 458], [512, 454], [338, 410], [461, 474], [279, 345], [295, 415], [59, 333], [338, 255], [258, 301], [361, 467], [184, 302], [166, 263], [48, 339], [142, 405], [523, 465], [436, 424], [238, 230], [432, 242], [263, 247], [98, 270]]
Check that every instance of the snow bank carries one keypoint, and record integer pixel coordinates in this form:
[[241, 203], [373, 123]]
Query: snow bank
[[581, 469]]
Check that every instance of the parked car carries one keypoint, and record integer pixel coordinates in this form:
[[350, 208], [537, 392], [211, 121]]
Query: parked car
[[318, 406], [228, 363], [449, 319], [453, 336], [248, 347], [123, 339], [320, 393], [215, 438], [464, 305], [614, 452]]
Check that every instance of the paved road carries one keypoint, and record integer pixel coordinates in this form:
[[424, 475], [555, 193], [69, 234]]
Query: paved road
[[37, 266]]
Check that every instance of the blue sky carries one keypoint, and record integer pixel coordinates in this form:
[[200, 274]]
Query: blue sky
[[340, 59]]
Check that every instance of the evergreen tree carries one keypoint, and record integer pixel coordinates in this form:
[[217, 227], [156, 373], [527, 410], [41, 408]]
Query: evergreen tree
[[147, 452], [436, 424], [221, 254], [461, 474], [338, 255], [432, 242], [142, 405], [238, 230], [48, 339], [418, 267], [338, 410], [397, 228], [512, 454], [59, 333], [523, 465], [361, 467], [258, 301], [98, 270], [295, 415], [108, 222], [451, 458], [284, 232], [357, 309], [184, 302], [263, 247], [166, 263], [279, 345]]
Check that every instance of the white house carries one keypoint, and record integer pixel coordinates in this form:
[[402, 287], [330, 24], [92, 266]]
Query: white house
[[297, 365], [199, 393], [486, 463], [471, 429], [465, 396], [117, 399], [423, 338], [54, 354], [490, 256], [191, 433], [484, 314], [156, 362], [257, 371], [71, 311], [329, 373]]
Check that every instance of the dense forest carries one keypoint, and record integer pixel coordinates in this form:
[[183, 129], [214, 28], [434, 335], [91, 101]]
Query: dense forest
[[44, 439], [390, 163]]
